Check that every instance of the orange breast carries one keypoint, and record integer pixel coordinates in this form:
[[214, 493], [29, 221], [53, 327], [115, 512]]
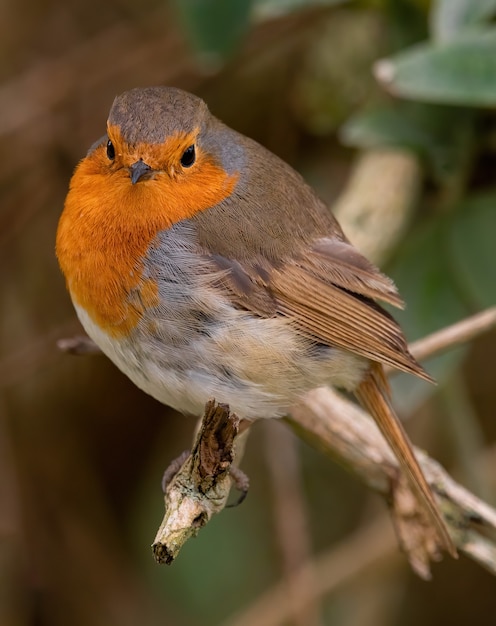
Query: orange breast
[[108, 224]]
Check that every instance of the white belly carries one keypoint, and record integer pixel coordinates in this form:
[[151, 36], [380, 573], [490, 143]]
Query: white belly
[[260, 367]]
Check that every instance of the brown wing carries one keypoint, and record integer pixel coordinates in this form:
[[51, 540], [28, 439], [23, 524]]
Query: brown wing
[[329, 292], [292, 258]]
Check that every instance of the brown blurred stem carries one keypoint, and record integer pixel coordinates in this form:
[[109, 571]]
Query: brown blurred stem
[[377, 204], [454, 335], [290, 518], [372, 547], [79, 345]]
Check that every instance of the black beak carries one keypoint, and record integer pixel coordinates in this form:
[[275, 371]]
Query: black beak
[[139, 170]]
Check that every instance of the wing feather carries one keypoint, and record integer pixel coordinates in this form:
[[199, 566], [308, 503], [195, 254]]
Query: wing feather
[[329, 294], [341, 318], [338, 262]]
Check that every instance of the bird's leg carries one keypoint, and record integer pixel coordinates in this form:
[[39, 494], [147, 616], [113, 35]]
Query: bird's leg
[[173, 468], [241, 482]]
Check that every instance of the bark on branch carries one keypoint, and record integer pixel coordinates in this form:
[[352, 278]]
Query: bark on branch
[[343, 430], [200, 486]]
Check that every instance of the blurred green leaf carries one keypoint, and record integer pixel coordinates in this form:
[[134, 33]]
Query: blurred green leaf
[[461, 71], [438, 134], [472, 249], [396, 125], [424, 277], [214, 27], [449, 17]]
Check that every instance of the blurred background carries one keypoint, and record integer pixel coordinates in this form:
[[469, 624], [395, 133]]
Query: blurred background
[[387, 108]]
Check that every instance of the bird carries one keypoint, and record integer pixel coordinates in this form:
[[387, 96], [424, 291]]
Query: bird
[[204, 266]]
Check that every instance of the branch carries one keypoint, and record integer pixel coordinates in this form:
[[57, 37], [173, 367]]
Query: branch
[[454, 335], [344, 431], [79, 345], [376, 206], [200, 487]]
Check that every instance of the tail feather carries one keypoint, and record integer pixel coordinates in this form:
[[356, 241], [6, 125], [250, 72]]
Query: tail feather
[[373, 394]]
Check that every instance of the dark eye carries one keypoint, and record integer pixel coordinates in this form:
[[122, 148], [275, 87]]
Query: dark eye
[[110, 150], [188, 157]]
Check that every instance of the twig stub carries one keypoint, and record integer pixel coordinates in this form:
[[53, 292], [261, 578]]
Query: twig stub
[[201, 486], [213, 452], [80, 345]]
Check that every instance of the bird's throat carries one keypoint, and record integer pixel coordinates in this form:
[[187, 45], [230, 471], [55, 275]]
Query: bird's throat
[[107, 227]]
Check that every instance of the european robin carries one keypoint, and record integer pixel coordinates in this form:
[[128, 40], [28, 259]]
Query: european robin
[[204, 266]]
